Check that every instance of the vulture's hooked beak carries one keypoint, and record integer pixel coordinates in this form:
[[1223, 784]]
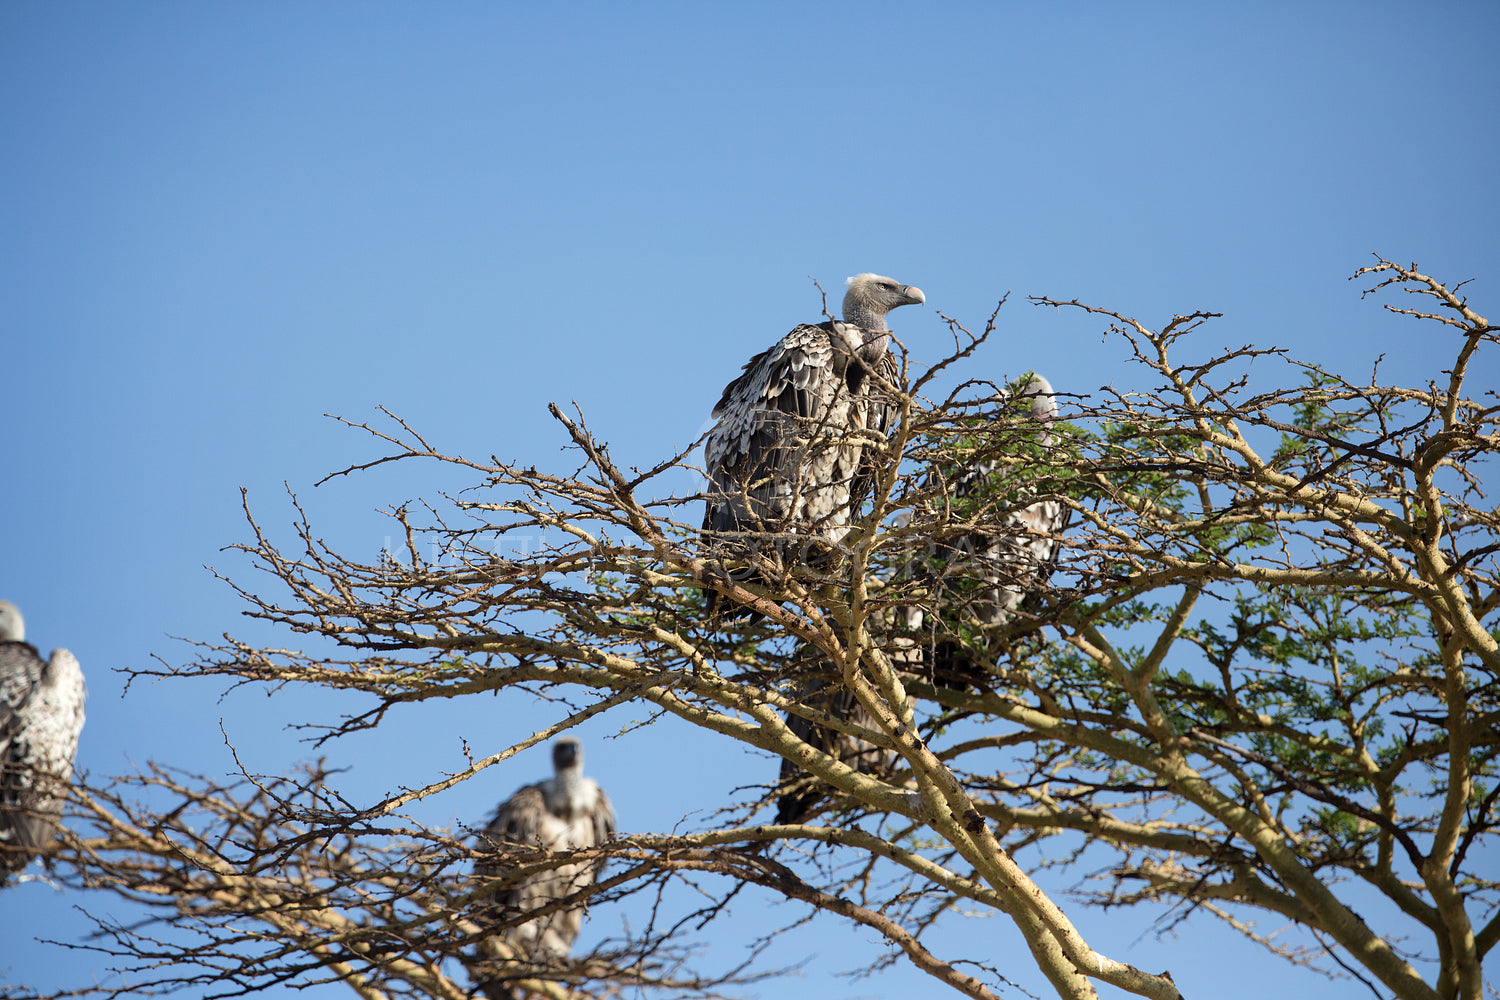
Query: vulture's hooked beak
[[913, 295]]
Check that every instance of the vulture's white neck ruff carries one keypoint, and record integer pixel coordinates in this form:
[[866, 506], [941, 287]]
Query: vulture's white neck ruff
[[570, 793]]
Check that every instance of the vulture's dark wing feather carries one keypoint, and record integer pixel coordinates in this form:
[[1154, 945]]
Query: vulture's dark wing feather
[[519, 819], [763, 416]]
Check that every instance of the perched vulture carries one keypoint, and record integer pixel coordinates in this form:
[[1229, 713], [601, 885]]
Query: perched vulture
[[985, 576], [981, 576], [566, 812], [41, 715], [784, 460]]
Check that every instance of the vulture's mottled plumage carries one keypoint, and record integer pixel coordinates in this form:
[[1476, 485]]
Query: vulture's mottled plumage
[[41, 715], [785, 459], [986, 575], [566, 812], [983, 576]]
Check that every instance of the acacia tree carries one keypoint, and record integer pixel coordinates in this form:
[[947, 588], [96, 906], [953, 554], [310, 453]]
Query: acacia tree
[[1262, 680]]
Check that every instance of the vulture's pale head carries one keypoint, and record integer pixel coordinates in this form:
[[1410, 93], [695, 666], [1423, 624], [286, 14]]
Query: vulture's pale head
[[12, 625], [1039, 395], [871, 296], [567, 755]]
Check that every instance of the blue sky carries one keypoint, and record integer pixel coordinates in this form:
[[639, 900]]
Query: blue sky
[[219, 222]]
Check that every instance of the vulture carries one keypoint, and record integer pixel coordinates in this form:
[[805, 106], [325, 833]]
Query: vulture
[[41, 715], [563, 813], [983, 577], [786, 458]]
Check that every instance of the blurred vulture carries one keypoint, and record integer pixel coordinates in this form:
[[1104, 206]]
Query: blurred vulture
[[983, 576], [566, 812], [41, 715], [786, 460]]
